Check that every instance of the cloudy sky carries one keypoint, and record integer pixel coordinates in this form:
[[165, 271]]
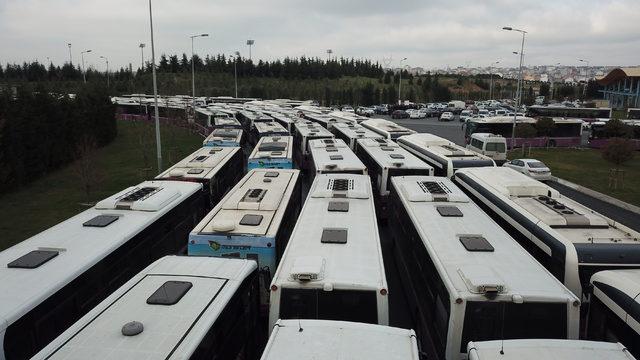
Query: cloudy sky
[[430, 33]]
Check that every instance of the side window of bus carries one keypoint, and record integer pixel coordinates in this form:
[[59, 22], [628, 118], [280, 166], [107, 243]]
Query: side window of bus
[[476, 144]]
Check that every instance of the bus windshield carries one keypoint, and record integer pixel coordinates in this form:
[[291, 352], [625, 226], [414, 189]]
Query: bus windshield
[[346, 305], [506, 320]]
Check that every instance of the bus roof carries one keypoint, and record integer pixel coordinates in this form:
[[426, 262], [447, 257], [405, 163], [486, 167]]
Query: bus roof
[[503, 120], [356, 131], [388, 154], [203, 163], [439, 147], [312, 248], [169, 331], [568, 220], [330, 340], [334, 155], [548, 349], [273, 147], [270, 127], [469, 249], [618, 290], [382, 126], [80, 242], [225, 134], [309, 128], [255, 206]]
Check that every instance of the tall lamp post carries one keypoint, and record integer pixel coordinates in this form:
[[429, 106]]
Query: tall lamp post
[[400, 83], [84, 76], [586, 76], [236, 55], [141, 46], [193, 70], [70, 59], [519, 91], [107, 61], [155, 93], [491, 81], [250, 43], [329, 52]]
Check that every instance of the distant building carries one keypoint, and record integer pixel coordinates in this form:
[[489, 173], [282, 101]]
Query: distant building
[[622, 87]]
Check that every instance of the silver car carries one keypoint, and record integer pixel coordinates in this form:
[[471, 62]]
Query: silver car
[[531, 167]]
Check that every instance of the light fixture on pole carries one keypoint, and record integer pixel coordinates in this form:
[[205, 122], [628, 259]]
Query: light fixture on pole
[[491, 81], [142, 45], [235, 69], [250, 43], [107, 61], [586, 71], [70, 59], [400, 83], [193, 71], [519, 91], [84, 77], [155, 93], [329, 52]]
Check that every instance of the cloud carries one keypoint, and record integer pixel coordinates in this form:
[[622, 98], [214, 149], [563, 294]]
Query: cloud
[[432, 33]]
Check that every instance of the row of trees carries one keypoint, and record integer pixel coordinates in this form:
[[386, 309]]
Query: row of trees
[[41, 131]]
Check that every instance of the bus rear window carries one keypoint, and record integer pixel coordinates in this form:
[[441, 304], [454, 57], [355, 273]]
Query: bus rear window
[[499, 147], [346, 305], [501, 320]]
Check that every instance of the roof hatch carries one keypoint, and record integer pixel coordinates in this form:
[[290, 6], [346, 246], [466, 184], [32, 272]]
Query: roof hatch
[[32, 259]]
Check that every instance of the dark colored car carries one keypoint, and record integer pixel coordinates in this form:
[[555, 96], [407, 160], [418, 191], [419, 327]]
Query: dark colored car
[[399, 114]]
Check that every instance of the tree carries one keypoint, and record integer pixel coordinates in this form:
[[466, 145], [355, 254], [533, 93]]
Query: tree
[[85, 167], [545, 126], [544, 89], [525, 131], [592, 89], [618, 151], [387, 77], [615, 128]]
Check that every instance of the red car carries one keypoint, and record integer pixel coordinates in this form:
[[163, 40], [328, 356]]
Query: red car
[[399, 114]]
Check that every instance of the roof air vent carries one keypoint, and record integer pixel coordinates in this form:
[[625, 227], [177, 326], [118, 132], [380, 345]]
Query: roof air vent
[[251, 220], [169, 293], [338, 206], [254, 195], [32, 259], [334, 236], [340, 185], [449, 211], [336, 157], [475, 243], [101, 221]]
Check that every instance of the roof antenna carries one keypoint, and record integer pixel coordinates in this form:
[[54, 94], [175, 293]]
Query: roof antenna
[[300, 329], [502, 332]]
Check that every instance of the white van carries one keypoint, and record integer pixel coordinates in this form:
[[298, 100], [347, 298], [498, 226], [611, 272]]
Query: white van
[[491, 145]]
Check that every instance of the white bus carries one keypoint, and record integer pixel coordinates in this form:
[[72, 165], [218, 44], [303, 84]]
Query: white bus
[[614, 309], [216, 168], [332, 268], [331, 340], [177, 308], [249, 118], [285, 120], [388, 129], [55, 277], [270, 128], [350, 133], [272, 152], [384, 159], [210, 118], [333, 156], [536, 349], [224, 138], [445, 156], [254, 221], [325, 121], [465, 278], [570, 240], [306, 130]]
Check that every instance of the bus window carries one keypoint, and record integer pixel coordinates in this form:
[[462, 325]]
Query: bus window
[[497, 147]]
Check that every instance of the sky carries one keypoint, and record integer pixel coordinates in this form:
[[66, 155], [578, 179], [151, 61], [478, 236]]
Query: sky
[[429, 33]]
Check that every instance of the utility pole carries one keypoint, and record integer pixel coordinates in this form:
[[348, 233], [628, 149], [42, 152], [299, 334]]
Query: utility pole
[[250, 43], [107, 61], [519, 91], [84, 77], [70, 59], [491, 81], [193, 72], [400, 83], [155, 93], [142, 45]]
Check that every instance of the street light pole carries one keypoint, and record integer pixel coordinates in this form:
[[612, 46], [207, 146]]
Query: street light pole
[[84, 76], [70, 59], [400, 83], [491, 81], [193, 71], [519, 88], [329, 52], [250, 43], [155, 93], [142, 45], [586, 75], [107, 61]]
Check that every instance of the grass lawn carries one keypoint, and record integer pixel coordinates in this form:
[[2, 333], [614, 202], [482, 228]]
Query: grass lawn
[[59, 195], [586, 167]]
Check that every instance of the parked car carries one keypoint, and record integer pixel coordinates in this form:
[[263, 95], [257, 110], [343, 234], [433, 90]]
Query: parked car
[[365, 111], [465, 114], [418, 114], [347, 108], [532, 167], [399, 114], [446, 116]]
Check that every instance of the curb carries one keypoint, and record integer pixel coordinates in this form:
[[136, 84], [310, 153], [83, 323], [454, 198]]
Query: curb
[[598, 195]]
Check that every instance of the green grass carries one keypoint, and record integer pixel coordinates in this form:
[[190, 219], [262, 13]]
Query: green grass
[[59, 195], [586, 167]]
